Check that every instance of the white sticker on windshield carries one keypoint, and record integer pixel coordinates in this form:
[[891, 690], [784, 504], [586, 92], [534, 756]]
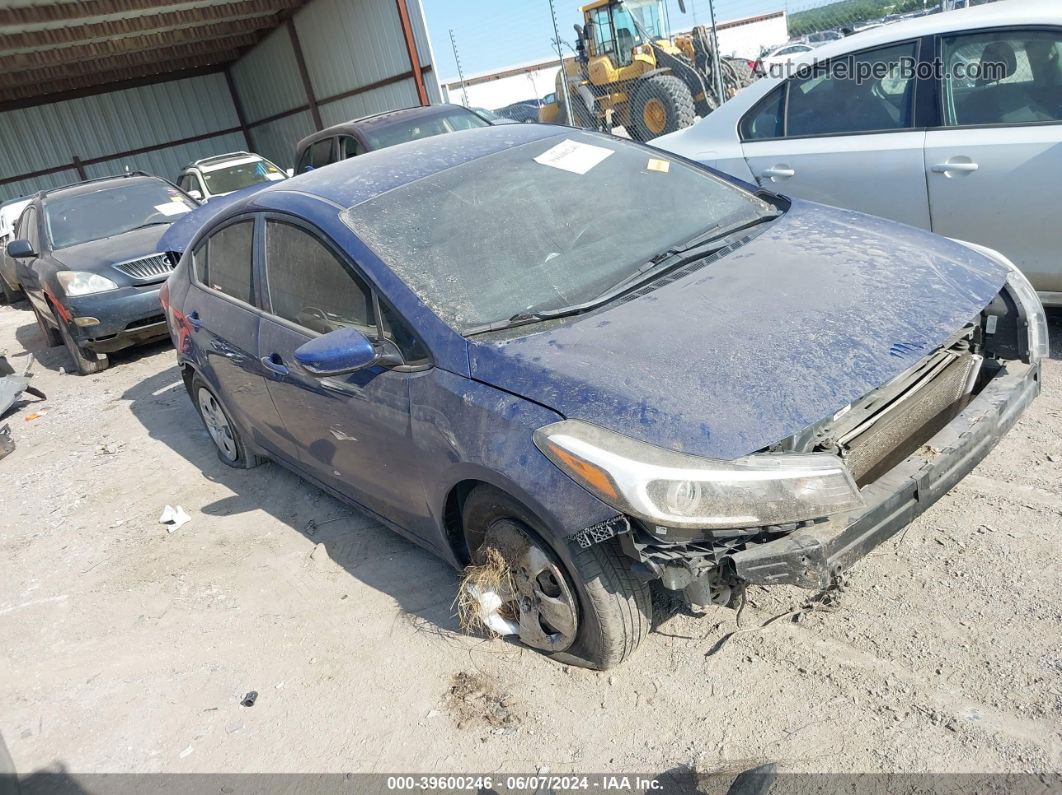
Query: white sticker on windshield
[[573, 156], [172, 208], [274, 177]]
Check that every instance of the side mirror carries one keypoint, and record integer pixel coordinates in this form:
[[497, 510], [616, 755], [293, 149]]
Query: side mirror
[[340, 352], [195, 194], [20, 249]]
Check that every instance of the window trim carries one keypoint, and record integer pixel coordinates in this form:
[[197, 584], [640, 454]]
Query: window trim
[[938, 92], [351, 266], [787, 84], [194, 277]]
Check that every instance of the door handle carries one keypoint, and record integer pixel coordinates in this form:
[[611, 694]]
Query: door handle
[[962, 166], [274, 365], [778, 172], [194, 321]]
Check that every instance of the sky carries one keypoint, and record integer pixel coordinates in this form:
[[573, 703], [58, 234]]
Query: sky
[[493, 34]]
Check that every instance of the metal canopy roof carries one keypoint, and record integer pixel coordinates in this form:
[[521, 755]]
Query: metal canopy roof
[[57, 47]]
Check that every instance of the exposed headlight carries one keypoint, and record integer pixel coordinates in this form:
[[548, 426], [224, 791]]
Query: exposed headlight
[[82, 283], [681, 490], [1021, 287]]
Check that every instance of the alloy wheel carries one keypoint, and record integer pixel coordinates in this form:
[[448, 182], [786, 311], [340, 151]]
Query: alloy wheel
[[217, 424]]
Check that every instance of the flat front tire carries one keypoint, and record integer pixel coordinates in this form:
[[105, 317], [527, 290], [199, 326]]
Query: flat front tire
[[579, 606], [51, 336], [86, 362]]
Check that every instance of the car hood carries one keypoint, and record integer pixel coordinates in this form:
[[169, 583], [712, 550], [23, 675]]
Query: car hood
[[819, 309], [103, 253]]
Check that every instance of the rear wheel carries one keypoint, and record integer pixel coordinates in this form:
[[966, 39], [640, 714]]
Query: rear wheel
[[231, 449], [661, 104], [85, 361], [584, 608]]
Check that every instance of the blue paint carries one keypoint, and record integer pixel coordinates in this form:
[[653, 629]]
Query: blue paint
[[750, 349]]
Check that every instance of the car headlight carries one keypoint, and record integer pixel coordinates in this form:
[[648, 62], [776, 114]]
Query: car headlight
[[685, 491], [82, 283], [1021, 287]]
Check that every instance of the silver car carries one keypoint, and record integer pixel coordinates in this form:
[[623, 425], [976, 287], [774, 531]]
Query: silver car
[[967, 143]]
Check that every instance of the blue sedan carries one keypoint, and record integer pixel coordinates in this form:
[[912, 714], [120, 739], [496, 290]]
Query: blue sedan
[[594, 365]]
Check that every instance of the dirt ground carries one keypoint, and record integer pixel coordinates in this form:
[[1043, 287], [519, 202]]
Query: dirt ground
[[127, 648]]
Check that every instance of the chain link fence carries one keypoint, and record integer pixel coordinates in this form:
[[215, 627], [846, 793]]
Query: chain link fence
[[640, 68]]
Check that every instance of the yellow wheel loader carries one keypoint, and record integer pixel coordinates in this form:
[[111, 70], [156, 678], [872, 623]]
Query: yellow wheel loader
[[630, 72]]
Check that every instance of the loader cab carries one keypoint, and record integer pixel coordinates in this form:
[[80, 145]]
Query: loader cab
[[614, 28]]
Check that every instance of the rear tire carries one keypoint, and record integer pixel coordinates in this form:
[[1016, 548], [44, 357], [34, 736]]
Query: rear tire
[[51, 336], [85, 361], [661, 104], [614, 607], [228, 443]]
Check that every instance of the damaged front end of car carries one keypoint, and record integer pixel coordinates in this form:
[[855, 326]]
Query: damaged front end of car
[[803, 510]]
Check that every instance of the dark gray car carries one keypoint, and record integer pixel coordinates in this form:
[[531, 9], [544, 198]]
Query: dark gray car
[[86, 257]]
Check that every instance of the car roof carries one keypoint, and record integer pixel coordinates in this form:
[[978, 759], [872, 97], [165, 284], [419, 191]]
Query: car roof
[[205, 161], [1004, 12], [92, 185], [359, 179], [378, 120]]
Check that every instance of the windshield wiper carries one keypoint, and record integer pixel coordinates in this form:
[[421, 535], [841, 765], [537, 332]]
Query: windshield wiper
[[701, 246], [142, 226]]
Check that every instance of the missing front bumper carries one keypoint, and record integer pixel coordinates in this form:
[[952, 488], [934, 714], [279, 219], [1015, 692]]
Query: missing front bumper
[[812, 557]]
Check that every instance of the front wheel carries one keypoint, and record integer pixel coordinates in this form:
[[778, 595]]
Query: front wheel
[[586, 608], [85, 361]]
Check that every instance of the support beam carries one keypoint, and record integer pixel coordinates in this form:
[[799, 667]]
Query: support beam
[[220, 50], [238, 105], [411, 49], [76, 53], [130, 25], [104, 82], [54, 93], [307, 86]]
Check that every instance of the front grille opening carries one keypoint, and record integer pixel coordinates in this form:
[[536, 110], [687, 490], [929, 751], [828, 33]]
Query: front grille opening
[[909, 421], [147, 321]]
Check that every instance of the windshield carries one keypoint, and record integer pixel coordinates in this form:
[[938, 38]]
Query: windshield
[[542, 226], [399, 132], [230, 178], [112, 210]]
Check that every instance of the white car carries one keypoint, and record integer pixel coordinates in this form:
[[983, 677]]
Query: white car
[[222, 174], [781, 55], [9, 213], [974, 156]]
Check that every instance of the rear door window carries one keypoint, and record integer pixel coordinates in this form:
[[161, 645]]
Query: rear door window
[[1002, 77], [228, 263], [767, 119], [834, 101], [349, 147]]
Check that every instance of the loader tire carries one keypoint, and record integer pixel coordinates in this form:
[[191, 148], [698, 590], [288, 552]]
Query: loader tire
[[661, 104]]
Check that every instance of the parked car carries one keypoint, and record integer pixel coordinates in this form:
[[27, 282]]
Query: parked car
[[220, 175], [823, 36], [492, 117], [979, 165], [366, 134], [524, 111], [780, 56], [686, 379], [9, 213], [85, 256]]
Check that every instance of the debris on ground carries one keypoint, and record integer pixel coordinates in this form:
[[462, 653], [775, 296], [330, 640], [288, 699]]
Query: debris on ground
[[476, 699], [249, 699], [12, 385], [35, 415], [482, 604], [174, 518], [7, 444]]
